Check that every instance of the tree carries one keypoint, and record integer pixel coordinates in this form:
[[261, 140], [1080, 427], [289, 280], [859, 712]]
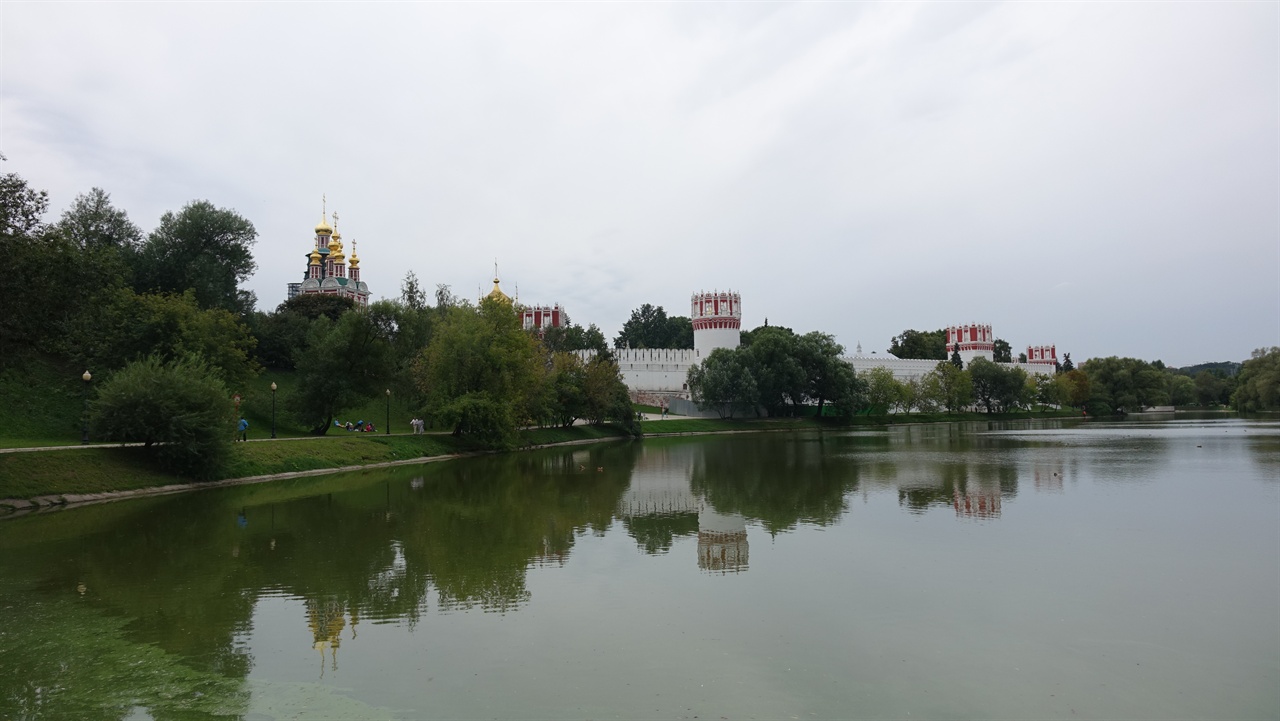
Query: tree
[[819, 357], [1259, 382], [930, 345], [956, 360], [780, 379], [949, 386], [1073, 388], [1001, 352], [884, 392], [170, 327], [344, 364], [649, 327], [1209, 388], [570, 337], [93, 223], [852, 396], [606, 398], [995, 387], [724, 381], [180, 410], [480, 373], [202, 248], [1126, 384], [1181, 389], [1022, 357], [566, 393], [282, 335], [411, 292], [22, 208], [1067, 365]]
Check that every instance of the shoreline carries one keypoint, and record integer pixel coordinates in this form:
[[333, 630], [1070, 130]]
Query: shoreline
[[11, 508]]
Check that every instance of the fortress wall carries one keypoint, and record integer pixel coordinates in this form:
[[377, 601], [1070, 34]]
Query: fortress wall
[[908, 368]]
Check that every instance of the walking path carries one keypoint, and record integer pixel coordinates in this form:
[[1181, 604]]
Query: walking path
[[138, 445]]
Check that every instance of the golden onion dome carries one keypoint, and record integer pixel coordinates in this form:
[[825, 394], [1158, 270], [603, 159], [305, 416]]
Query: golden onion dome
[[497, 293], [322, 228], [334, 245], [315, 257]]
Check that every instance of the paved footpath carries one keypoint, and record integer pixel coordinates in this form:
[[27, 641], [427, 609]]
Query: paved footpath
[[136, 445]]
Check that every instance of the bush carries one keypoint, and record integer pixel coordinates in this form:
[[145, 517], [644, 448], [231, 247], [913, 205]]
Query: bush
[[180, 410]]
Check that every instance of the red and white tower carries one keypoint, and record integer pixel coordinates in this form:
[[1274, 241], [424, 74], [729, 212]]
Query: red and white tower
[[717, 321], [973, 340], [1046, 354]]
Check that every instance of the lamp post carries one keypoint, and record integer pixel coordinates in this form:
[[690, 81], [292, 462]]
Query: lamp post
[[84, 412], [388, 411], [273, 409]]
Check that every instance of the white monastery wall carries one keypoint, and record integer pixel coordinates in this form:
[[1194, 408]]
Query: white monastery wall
[[908, 368]]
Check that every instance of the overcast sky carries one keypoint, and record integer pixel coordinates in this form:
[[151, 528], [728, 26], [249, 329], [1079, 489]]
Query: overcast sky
[[1104, 177]]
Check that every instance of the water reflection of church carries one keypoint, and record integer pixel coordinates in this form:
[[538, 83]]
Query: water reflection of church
[[660, 507]]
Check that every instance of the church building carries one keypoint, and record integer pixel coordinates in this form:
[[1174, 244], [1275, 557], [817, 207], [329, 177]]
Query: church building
[[328, 270]]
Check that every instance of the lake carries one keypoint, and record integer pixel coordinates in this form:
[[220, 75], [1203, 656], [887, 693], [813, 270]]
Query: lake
[[951, 571]]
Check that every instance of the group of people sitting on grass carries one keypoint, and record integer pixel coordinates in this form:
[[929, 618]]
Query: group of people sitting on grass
[[359, 426]]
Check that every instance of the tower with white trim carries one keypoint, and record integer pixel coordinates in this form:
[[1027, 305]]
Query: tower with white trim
[[717, 321]]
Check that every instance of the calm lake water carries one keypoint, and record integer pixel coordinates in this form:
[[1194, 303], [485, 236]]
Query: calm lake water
[[1062, 570]]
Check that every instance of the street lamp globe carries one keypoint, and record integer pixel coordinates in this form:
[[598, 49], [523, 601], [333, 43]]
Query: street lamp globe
[[87, 376]]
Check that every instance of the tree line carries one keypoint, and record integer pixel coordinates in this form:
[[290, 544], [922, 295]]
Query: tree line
[[777, 372], [171, 336]]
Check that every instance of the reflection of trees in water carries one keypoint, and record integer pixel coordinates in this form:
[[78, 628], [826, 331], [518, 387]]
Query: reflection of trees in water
[[656, 532], [779, 481], [181, 575]]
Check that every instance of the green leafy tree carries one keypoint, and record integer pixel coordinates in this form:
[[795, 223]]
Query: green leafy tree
[[1067, 365], [929, 345], [1126, 384], [1259, 382], [171, 327], [566, 392], [180, 410], [282, 335], [1209, 388], [59, 289], [819, 357], [852, 396], [1181, 389], [345, 363], [995, 387], [775, 366], [649, 327], [93, 223], [884, 392], [1048, 391], [1001, 352], [480, 374], [606, 398], [570, 337], [949, 387], [1074, 388], [724, 382], [202, 248], [956, 360]]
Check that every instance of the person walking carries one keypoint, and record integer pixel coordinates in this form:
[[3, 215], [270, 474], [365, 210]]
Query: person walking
[[243, 429]]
